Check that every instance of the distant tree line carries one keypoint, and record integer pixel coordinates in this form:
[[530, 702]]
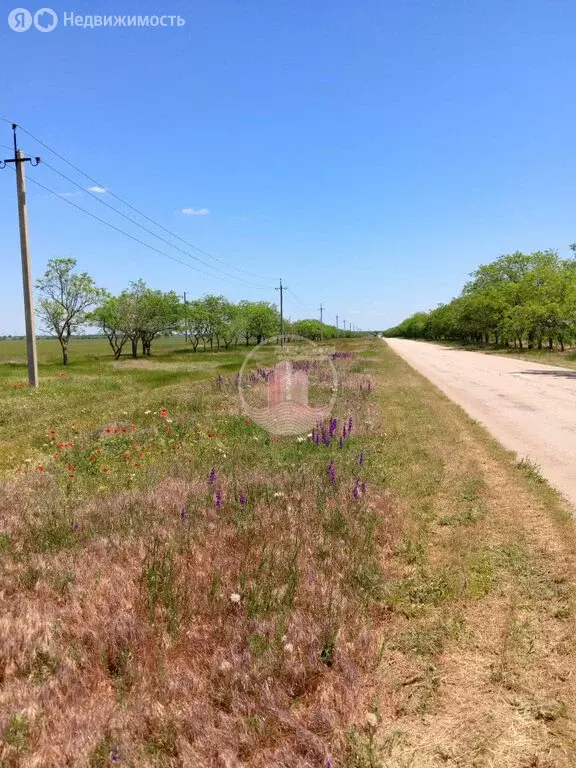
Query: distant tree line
[[70, 301], [519, 300]]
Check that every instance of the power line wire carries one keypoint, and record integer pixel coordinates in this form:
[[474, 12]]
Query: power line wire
[[146, 229], [140, 213], [129, 205], [121, 231]]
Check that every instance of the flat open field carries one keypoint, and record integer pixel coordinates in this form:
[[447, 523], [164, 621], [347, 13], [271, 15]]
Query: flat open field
[[178, 588]]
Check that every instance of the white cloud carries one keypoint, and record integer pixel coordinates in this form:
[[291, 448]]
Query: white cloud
[[96, 188], [66, 194], [195, 211]]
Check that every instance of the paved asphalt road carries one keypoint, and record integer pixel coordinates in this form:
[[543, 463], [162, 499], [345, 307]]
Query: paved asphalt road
[[530, 408]]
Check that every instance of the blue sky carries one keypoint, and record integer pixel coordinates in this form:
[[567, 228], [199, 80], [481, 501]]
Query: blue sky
[[370, 153]]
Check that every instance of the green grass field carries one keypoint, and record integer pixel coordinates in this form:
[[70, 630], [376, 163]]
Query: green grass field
[[181, 588]]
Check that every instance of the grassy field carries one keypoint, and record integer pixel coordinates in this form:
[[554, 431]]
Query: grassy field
[[181, 589]]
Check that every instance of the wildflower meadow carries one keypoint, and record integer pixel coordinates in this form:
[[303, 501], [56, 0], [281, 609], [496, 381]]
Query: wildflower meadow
[[181, 588]]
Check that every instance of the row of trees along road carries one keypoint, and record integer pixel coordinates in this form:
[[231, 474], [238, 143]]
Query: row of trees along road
[[520, 300], [70, 301]]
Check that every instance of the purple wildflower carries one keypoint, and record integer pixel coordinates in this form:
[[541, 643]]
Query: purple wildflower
[[344, 433], [183, 513], [219, 380], [363, 487], [75, 526], [243, 500], [361, 459], [212, 476], [356, 492], [218, 500], [350, 425], [332, 472], [341, 442], [333, 424], [115, 755], [329, 763]]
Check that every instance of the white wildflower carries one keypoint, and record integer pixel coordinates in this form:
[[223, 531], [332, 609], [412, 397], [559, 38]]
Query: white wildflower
[[225, 666], [371, 720], [278, 494], [300, 439], [309, 434], [147, 412], [234, 597], [289, 648]]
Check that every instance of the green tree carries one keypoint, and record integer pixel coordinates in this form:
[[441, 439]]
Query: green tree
[[66, 298], [259, 320], [108, 317]]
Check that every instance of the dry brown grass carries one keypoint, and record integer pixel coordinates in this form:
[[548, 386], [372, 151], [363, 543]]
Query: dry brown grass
[[441, 600], [119, 638]]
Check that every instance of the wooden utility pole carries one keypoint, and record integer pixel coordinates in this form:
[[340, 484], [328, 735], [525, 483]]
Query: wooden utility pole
[[185, 318], [19, 160], [321, 326], [282, 288], [336, 322]]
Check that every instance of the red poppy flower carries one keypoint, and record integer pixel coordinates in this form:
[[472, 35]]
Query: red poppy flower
[[107, 430], [41, 469], [70, 468], [104, 469], [19, 469], [71, 475], [137, 465], [246, 421], [60, 445], [123, 430], [209, 435], [99, 452], [91, 458], [163, 412]]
